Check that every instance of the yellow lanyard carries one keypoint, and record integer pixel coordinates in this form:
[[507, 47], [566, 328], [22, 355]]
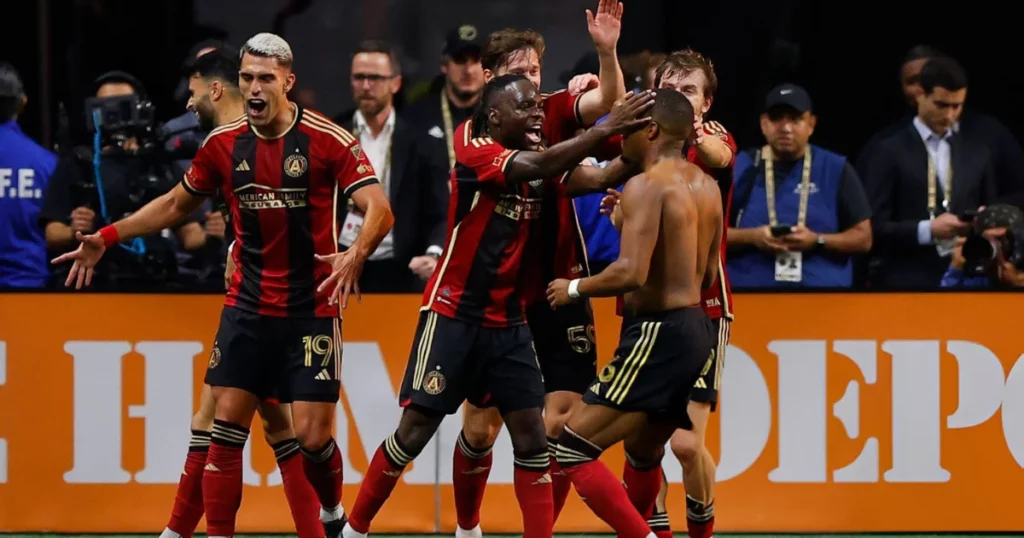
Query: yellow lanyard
[[769, 186], [947, 191], [449, 129]]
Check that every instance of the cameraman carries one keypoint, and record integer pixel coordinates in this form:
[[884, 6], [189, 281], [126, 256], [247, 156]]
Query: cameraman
[[989, 256], [72, 202]]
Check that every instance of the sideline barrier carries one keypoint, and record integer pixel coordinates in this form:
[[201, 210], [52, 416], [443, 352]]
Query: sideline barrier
[[841, 413]]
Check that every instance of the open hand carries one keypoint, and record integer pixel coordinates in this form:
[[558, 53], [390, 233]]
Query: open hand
[[606, 26], [583, 83], [630, 114], [85, 258], [346, 268], [609, 202]]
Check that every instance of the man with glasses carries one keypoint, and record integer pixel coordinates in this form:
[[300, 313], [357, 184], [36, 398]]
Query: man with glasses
[[413, 180]]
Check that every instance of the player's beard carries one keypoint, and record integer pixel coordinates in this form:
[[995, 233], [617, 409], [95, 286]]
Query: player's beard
[[206, 113]]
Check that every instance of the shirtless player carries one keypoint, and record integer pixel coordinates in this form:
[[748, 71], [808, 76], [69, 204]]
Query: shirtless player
[[671, 234]]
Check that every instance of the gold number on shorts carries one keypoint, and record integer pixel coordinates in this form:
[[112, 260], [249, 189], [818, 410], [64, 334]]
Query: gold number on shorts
[[581, 338], [318, 345], [708, 363]]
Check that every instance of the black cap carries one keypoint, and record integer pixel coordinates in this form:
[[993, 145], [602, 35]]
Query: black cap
[[461, 40], [10, 82], [788, 95], [588, 63]]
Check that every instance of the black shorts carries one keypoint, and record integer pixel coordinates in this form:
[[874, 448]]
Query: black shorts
[[566, 345], [710, 380], [288, 359], [660, 357], [452, 361]]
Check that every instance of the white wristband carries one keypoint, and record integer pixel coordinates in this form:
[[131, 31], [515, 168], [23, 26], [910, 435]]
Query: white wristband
[[574, 288]]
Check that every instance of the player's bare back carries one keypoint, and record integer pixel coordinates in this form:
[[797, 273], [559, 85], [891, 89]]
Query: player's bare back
[[678, 203]]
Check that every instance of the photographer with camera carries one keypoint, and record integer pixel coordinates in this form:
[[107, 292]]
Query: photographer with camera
[[125, 168], [992, 254]]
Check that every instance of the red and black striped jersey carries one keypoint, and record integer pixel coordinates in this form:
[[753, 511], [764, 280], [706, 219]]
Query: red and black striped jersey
[[479, 278], [717, 300], [282, 194]]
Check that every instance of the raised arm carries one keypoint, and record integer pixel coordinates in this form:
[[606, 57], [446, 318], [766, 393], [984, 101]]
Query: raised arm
[[604, 28], [626, 118]]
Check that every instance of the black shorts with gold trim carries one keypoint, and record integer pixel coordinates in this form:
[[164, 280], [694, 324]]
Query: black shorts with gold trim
[[452, 361], [566, 345], [659, 358]]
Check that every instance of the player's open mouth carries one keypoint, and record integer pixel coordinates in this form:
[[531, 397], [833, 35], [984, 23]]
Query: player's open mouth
[[533, 134], [256, 106]]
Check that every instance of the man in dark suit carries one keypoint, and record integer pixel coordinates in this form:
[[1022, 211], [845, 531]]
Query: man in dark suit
[[415, 182], [1007, 156], [922, 179]]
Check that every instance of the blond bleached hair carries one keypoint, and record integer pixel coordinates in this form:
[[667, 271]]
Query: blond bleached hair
[[269, 45]]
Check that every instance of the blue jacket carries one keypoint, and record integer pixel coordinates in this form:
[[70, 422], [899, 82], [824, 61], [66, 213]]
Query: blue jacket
[[25, 170]]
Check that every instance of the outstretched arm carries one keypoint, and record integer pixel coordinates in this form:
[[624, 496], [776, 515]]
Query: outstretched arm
[[641, 213], [591, 179], [164, 212]]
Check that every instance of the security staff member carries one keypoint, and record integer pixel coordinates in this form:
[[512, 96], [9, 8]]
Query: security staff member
[[438, 114], [25, 169]]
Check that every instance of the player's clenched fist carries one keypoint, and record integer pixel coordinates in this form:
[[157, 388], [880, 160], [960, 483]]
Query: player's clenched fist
[[558, 293]]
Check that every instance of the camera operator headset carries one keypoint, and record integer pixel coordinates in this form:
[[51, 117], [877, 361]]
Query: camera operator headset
[[992, 254], [119, 173]]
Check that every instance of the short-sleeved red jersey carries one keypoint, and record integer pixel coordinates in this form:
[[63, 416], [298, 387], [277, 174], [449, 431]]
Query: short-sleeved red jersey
[[283, 197], [478, 277], [716, 300]]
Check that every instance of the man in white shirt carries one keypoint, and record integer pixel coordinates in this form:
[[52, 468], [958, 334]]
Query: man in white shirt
[[414, 181]]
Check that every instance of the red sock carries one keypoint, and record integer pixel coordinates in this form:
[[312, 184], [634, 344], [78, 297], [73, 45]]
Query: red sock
[[659, 524], [188, 502], [470, 469], [560, 484], [700, 518], [386, 467], [533, 491], [642, 486], [598, 487], [222, 478], [302, 499], [323, 471]]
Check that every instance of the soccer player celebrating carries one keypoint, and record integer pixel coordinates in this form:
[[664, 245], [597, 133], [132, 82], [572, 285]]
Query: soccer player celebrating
[[671, 240], [712, 148], [565, 340], [471, 341], [281, 173], [215, 99]]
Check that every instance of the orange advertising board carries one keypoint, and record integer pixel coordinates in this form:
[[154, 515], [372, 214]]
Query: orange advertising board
[[840, 413]]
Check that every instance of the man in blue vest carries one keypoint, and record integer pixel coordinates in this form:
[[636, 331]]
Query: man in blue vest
[[25, 169], [800, 211]]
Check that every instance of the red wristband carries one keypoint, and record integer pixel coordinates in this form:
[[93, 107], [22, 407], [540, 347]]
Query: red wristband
[[110, 236]]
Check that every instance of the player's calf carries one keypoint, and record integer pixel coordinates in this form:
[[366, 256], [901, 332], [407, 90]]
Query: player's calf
[[591, 429], [531, 477], [698, 471], [415, 430], [471, 466], [302, 499], [322, 457], [558, 407], [188, 500], [642, 474], [222, 476]]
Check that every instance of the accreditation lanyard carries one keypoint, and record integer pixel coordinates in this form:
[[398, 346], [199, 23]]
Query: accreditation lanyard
[[947, 191], [449, 130], [769, 186]]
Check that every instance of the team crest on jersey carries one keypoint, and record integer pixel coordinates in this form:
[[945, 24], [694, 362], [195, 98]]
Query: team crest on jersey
[[434, 383], [295, 165], [607, 373], [357, 152], [536, 183], [214, 356]]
